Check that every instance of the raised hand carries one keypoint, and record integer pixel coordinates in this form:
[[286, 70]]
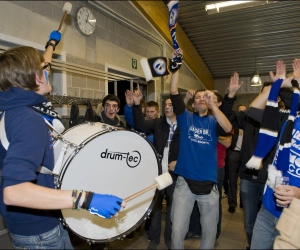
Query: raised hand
[[177, 52], [234, 84], [137, 95], [55, 36], [280, 71], [189, 95], [296, 67], [209, 98], [129, 98]]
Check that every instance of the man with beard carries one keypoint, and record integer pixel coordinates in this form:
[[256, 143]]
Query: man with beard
[[196, 166]]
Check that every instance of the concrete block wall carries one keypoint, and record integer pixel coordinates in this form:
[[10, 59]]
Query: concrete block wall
[[113, 44]]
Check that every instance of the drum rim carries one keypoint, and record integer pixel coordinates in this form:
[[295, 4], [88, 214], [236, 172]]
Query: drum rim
[[68, 162]]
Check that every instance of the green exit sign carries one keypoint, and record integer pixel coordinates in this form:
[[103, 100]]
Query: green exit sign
[[134, 63]]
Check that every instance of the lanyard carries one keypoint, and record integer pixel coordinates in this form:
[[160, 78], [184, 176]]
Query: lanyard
[[171, 133]]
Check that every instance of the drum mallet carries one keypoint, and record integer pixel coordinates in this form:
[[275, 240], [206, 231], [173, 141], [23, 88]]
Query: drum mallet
[[162, 181], [66, 9]]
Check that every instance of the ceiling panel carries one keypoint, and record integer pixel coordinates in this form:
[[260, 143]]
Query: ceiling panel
[[230, 41]]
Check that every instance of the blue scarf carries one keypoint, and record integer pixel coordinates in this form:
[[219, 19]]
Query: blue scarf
[[173, 18], [163, 66]]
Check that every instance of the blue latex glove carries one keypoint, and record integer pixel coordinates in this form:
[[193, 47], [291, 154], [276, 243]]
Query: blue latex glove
[[55, 36], [105, 205]]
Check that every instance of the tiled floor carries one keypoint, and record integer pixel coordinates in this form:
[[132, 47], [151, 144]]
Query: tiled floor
[[233, 235]]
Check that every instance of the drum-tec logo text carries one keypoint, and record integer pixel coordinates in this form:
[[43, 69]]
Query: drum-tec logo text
[[132, 159]]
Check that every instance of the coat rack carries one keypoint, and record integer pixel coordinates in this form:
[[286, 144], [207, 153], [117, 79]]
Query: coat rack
[[67, 100]]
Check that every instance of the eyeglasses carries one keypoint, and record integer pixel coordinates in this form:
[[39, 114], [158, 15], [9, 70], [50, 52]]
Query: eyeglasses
[[47, 66]]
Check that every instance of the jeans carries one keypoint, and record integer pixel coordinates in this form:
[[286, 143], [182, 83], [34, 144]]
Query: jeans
[[195, 217], [155, 217], [251, 193], [220, 176], [194, 226], [233, 168], [183, 203], [264, 232], [57, 238]]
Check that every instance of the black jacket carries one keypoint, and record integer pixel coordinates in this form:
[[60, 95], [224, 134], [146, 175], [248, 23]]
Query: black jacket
[[116, 122], [74, 115], [160, 128], [234, 138]]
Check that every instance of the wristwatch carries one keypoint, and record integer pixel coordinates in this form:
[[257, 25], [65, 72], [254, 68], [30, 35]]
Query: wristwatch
[[50, 44]]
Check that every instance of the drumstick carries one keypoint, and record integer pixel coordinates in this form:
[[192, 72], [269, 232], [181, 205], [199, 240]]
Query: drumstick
[[162, 181], [66, 9]]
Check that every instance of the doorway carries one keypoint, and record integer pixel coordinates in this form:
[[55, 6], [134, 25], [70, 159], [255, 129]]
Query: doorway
[[119, 87]]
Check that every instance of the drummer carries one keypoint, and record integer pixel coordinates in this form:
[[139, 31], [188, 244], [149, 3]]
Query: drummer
[[29, 204]]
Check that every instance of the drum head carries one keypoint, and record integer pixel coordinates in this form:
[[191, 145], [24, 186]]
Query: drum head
[[116, 162]]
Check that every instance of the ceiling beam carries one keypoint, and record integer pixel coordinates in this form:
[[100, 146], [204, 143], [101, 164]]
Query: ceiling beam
[[157, 13]]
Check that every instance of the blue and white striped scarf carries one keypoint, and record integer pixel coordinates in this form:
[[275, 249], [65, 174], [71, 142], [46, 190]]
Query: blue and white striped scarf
[[269, 129], [173, 18]]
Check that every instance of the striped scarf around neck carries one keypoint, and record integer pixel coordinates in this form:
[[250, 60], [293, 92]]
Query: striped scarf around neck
[[269, 130]]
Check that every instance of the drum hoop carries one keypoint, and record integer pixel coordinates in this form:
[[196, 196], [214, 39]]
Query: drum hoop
[[74, 153], [105, 127], [146, 214], [76, 126]]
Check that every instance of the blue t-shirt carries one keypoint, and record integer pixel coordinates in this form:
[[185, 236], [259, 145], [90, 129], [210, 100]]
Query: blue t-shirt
[[197, 158]]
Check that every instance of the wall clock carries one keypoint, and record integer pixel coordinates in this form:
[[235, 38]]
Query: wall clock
[[86, 21]]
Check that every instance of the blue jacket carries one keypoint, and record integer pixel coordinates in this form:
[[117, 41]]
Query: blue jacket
[[129, 119], [30, 147]]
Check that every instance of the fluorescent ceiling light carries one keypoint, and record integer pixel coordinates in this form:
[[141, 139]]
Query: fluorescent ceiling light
[[233, 5], [223, 4]]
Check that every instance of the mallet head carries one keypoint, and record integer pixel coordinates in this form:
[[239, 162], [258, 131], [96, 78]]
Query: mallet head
[[67, 7], [164, 180]]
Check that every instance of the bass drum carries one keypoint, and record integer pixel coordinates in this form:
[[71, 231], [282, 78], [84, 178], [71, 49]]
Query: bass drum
[[107, 161]]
